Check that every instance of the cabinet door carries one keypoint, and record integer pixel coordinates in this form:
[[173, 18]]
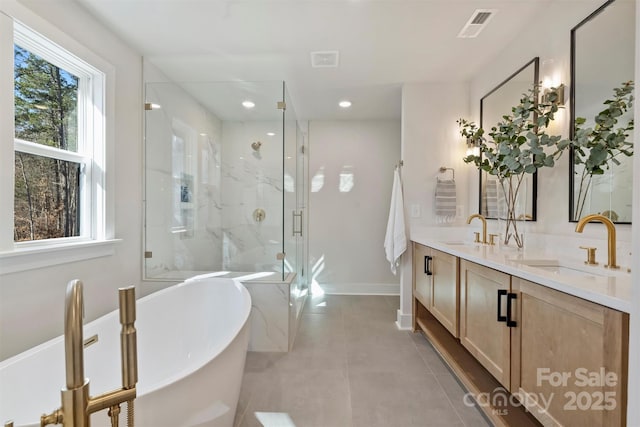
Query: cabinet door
[[486, 339], [445, 301], [422, 274], [569, 356]]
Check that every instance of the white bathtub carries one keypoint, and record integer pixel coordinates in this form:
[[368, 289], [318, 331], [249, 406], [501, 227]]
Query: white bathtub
[[192, 343]]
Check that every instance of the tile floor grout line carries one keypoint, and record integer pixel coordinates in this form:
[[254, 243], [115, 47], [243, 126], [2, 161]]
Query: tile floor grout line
[[450, 401], [436, 375], [346, 364], [415, 346]]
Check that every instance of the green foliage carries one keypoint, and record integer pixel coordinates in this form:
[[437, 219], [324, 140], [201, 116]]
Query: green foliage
[[519, 143], [45, 102], [597, 147]]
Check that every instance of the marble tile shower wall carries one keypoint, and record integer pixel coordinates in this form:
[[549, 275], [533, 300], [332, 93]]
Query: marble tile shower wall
[[204, 181], [251, 179], [183, 182]]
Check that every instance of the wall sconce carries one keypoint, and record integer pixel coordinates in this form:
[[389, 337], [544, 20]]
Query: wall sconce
[[549, 98], [473, 147]]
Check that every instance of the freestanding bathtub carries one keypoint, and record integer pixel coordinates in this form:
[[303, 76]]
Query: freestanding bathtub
[[192, 343]]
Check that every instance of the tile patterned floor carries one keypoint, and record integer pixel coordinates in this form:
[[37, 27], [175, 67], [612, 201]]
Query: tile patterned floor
[[351, 367]]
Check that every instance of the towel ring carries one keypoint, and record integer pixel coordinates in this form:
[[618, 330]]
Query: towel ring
[[453, 172]]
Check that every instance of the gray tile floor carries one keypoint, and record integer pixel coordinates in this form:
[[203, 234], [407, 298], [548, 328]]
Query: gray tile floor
[[351, 367]]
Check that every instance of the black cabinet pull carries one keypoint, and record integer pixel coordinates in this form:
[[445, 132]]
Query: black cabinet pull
[[427, 265], [510, 298], [501, 293]]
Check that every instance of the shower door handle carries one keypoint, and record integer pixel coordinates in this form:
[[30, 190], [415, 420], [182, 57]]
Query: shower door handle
[[296, 215]]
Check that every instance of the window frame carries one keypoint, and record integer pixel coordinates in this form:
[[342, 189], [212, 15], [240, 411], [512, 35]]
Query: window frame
[[89, 138], [96, 228]]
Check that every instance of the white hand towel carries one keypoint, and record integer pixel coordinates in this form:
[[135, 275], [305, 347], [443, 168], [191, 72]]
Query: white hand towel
[[395, 241], [445, 200]]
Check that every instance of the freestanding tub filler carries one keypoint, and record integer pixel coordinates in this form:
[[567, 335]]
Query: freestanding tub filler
[[192, 344]]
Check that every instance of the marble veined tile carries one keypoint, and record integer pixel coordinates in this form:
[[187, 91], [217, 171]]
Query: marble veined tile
[[269, 316]]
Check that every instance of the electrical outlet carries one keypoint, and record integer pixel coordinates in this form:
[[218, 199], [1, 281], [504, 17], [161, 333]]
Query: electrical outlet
[[415, 210]]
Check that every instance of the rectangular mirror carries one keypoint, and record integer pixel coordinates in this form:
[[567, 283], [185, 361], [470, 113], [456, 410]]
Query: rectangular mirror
[[495, 104], [602, 58]]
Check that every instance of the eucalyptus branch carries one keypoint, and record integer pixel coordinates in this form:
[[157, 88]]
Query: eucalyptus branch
[[519, 143], [596, 148], [605, 141]]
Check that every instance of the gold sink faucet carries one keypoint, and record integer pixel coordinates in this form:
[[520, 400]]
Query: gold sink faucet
[[611, 235], [77, 405], [484, 227]]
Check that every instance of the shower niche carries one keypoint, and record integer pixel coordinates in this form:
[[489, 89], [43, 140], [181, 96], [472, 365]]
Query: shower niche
[[224, 184]]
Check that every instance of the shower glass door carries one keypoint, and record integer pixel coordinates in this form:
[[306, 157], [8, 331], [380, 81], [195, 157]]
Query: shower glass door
[[295, 232], [214, 179]]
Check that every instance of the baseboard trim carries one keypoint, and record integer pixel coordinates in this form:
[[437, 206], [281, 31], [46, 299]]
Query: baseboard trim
[[360, 288], [404, 322]]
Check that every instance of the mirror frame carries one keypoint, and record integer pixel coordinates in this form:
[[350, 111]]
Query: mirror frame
[[572, 104], [534, 176]]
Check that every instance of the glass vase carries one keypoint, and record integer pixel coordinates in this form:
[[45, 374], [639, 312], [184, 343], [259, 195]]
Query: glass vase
[[512, 212]]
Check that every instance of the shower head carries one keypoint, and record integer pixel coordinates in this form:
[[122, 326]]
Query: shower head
[[256, 145]]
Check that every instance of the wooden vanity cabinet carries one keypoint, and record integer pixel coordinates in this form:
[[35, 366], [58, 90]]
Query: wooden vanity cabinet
[[488, 339], [573, 353], [563, 358], [436, 285]]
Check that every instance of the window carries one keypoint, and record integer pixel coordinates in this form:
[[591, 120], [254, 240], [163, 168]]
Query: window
[[58, 144]]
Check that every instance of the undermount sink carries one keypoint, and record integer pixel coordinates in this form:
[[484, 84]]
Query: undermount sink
[[561, 268]]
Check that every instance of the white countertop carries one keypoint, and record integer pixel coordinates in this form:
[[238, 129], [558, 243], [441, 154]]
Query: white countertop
[[611, 288]]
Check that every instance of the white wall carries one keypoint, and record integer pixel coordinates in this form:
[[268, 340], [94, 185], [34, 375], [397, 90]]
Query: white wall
[[430, 139], [347, 228], [32, 302]]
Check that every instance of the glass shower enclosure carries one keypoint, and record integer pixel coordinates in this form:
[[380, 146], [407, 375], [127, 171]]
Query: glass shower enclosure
[[224, 182]]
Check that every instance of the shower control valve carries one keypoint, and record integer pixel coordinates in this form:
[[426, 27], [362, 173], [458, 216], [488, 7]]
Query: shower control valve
[[259, 215]]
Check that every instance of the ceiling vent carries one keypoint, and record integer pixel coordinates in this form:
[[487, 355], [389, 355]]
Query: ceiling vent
[[325, 59], [476, 23]]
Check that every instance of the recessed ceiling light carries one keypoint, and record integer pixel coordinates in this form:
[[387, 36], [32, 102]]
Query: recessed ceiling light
[[344, 104], [248, 104], [271, 134]]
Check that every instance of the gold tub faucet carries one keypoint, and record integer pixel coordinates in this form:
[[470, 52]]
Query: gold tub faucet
[[611, 235], [77, 405], [484, 227]]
